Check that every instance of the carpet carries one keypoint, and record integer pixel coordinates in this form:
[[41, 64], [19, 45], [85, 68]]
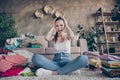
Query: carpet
[[83, 74]]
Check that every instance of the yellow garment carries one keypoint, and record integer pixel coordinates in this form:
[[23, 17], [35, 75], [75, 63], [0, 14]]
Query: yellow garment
[[95, 62], [111, 64]]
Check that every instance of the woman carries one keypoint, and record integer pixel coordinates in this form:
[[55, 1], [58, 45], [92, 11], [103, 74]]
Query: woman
[[62, 62]]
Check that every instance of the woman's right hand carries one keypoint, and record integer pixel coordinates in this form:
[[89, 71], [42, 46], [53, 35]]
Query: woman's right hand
[[66, 23], [53, 23]]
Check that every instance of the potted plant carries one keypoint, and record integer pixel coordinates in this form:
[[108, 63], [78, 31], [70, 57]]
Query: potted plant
[[90, 35], [7, 29]]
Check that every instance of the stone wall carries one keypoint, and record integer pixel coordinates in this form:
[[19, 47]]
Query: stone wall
[[76, 12]]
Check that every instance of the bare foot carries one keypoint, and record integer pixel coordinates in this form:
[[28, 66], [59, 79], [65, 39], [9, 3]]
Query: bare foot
[[55, 72]]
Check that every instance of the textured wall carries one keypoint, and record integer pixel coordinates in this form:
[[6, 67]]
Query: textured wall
[[76, 11]]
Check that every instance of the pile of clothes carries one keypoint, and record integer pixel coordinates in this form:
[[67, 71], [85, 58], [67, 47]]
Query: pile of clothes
[[25, 40], [16, 62], [109, 64], [94, 60]]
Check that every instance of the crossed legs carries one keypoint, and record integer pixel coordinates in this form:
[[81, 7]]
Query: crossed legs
[[41, 61]]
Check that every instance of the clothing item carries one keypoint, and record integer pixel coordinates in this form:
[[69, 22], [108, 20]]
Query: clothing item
[[110, 57], [26, 70], [111, 64], [111, 72], [12, 46], [12, 72], [7, 62], [42, 72], [61, 62], [28, 74], [27, 54], [63, 46], [4, 51], [107, 57]]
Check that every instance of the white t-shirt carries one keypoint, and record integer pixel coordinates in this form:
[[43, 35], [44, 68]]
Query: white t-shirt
[[64, 46]]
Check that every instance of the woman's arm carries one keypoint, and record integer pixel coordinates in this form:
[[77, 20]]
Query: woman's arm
[[50, 35], [70, 34]]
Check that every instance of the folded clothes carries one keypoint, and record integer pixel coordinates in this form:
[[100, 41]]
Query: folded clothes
[[34, 45], [102, 57], [109, 57], [4, 51], [111, 72], [12, 72], [111, 64], [92, 67], [95, 62], [28, 74]]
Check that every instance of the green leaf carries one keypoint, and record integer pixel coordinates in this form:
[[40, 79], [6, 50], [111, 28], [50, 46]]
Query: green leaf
[[78, 32], [79, 27], [7, 29]]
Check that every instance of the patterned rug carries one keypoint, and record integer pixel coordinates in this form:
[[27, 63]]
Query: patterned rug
[[83, 74]]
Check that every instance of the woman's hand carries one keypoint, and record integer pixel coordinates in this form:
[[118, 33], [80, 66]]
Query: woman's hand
[[50, 34], [53, 23], [70, 34], [66, 23]]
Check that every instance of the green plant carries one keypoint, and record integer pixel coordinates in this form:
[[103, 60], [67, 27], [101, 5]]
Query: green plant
[[7, 29], [81, 32], [90, 35]]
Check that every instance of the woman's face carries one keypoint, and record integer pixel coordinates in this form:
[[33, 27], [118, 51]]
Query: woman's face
[[59, 26]]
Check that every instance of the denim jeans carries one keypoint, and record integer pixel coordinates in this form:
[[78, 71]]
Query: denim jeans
[[62, 62]]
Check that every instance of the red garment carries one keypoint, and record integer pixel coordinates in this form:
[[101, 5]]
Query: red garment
[[7, 62], [12, 72], [4, 64], [4, 51]]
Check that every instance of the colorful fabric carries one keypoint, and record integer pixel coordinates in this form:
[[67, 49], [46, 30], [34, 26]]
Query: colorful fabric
[[4, 51], [12, 72], [107, 57], [111, 72], [95, 62], [111, 64], [12, 46], [92, 67], [27, 54], [16, 59], [6, 62], [36, 46], [28, 74]]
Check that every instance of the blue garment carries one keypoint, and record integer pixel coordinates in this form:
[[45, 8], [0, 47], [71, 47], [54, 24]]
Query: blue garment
[[62, 62], [12, 46]]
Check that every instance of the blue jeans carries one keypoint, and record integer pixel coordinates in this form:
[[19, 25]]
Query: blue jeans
[[62, 62]]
